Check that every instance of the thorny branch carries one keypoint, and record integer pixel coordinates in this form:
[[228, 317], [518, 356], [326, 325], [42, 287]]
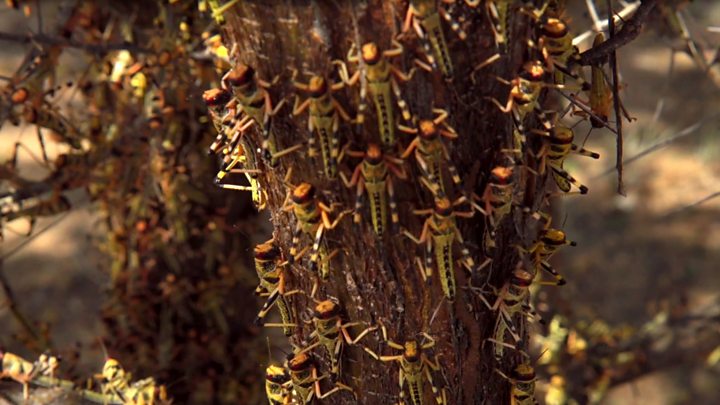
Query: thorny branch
[[629, 31], [49, 40], [603, 24], [682, 134], [616, 103], [25, 242], [665, 341], [692, 205], [667, 344], [11, 395], [10, 303]]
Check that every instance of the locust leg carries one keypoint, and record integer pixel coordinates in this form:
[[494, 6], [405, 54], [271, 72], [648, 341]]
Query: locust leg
[[394, 216], [428, 375], [359, 192], [401, 376], [565, 175], [294, 243], [404, 109], [316, 248], [559, 279], [467, 260]]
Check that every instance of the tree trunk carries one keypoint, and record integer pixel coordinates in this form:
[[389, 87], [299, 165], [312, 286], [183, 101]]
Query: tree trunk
[[376, 281]]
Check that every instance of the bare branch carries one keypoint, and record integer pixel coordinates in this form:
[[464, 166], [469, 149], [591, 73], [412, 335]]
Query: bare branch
[[682, 134], [49, 40], [693, 205], [11, 305], [665, 341], [689, 337], [619, 17], [597, 25], [619, 144], [629, 31], [31, 238]]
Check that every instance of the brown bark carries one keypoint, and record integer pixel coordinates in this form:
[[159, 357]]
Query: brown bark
[[275, 35]]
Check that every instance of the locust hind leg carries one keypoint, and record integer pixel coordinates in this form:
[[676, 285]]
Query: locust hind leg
[[312, 148], [427, 46], [436, 392], [362, 109], [294, 243], [394, 215], [467, 260], [359, 193], [315, 254], [404, 109], [454, 23], [454, 175], [428, 253], [559, 279], [559, 171], [402, 386]]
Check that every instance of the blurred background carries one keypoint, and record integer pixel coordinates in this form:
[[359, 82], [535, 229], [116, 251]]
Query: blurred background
[[645, 271], [645, 268]]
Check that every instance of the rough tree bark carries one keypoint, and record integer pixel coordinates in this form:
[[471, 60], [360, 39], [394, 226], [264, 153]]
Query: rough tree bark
[[272, 36]]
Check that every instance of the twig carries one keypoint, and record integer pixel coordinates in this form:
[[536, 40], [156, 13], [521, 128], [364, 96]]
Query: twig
[[30, 238], [11, 304], [38, 6], [620, 16], [694, 47], [682, 134], [666, 89], [49, 391], [678, 332], [597, 25], [619, 144], [663, 342], [629, 31], [693, 205], [94, 48]]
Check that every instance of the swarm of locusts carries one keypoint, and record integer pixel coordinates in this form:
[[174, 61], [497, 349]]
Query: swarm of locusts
[[136, 153], [376, 154], [174, 252]]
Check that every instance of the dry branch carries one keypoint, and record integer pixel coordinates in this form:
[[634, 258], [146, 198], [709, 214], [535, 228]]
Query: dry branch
[[69, 43], [629, 31]]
